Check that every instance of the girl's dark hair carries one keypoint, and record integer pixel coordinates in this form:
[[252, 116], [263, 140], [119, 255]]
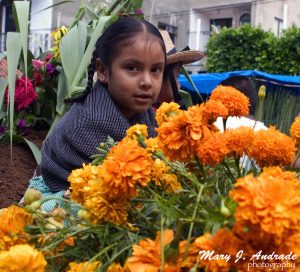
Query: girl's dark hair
[[109, 44]]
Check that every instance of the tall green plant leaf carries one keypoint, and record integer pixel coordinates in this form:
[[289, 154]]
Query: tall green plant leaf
[[86, 59], [14, 46], [22, 11], [35, 151], [3, 84], [71, 59]]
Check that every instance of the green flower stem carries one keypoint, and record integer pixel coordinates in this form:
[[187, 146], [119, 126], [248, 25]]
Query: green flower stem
[[237, 163], [193, 221], [45, 199], [229, 172], [116, 255], [102, 252], [64, 238], [162, 221]]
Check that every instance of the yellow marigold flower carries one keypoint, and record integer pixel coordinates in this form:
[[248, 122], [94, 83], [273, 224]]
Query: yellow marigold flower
[[178, 137], [272, 148], [238, 140], [13, 220], [235, 101], [295, 130], [79, 181], [126, 166], [84, 267], [165, 111], [57, 35], [223, 242], [23, 258], [152, 145], [100, 209], [272, 201], [213, 150], [146, 256], [170, 182], [115, 267], [136, 131], [159, 168], [214, 109]]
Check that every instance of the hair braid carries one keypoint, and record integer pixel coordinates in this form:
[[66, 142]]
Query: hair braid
[[91, 70]]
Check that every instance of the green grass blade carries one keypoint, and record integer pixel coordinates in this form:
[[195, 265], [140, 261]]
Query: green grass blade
[[22, 10], [90, 12], [35, 151], [3, 84], [14, 47]]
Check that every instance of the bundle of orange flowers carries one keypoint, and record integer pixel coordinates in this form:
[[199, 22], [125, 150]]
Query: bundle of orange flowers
[[183, 201]]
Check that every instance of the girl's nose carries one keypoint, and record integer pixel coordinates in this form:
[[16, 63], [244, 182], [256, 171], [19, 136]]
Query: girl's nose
[[146, 81]]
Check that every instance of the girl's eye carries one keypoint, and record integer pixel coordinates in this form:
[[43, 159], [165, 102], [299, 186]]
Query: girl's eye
[[156, 70], [132, 68]]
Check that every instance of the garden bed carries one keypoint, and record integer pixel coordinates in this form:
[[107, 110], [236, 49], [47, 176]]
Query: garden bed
[[16, 171]]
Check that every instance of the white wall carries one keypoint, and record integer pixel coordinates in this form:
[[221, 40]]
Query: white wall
[[42, 20]]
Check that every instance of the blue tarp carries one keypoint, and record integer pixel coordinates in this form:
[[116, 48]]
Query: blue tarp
[[206, 82]]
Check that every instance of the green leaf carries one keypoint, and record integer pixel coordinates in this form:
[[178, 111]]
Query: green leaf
[[62, 92], [35, 151], [22, 11], [71, 59], [3, 85], [86, 59], [14, 46], [79, 15], [91, 13]]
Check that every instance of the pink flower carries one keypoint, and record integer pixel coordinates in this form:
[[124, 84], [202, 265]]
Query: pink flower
[[37, 64], [48, 56], [23, 96]]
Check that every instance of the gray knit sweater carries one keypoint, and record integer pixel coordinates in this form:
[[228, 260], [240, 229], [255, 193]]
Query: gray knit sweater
[[78, 133]]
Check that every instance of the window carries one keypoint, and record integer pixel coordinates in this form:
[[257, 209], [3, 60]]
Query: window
[[245, 19], [220, 23]]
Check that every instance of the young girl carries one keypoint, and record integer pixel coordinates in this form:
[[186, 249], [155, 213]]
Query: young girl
[[129, 59]]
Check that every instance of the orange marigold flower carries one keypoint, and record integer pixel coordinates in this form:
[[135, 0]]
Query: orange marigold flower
[[272, 201], [79, 181], [213, 150], [13, 220], [272, 148], [84, 267], [146, 256], [126, 166], [23, 258], [238, 140], [235, 101], [159, 168], [115, 267], [213, 109], [137, 131], [152, 145], [223, 242], [100, 209], [170, 183], [178, 137], [165, 111], [295, 130]]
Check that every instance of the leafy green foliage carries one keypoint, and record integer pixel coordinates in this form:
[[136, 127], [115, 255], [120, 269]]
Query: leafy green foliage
[[252, 48]]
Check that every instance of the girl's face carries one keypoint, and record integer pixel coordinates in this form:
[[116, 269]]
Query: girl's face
[[135, 76]]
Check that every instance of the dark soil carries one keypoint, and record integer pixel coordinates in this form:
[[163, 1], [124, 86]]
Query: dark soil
[[17, 170]]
